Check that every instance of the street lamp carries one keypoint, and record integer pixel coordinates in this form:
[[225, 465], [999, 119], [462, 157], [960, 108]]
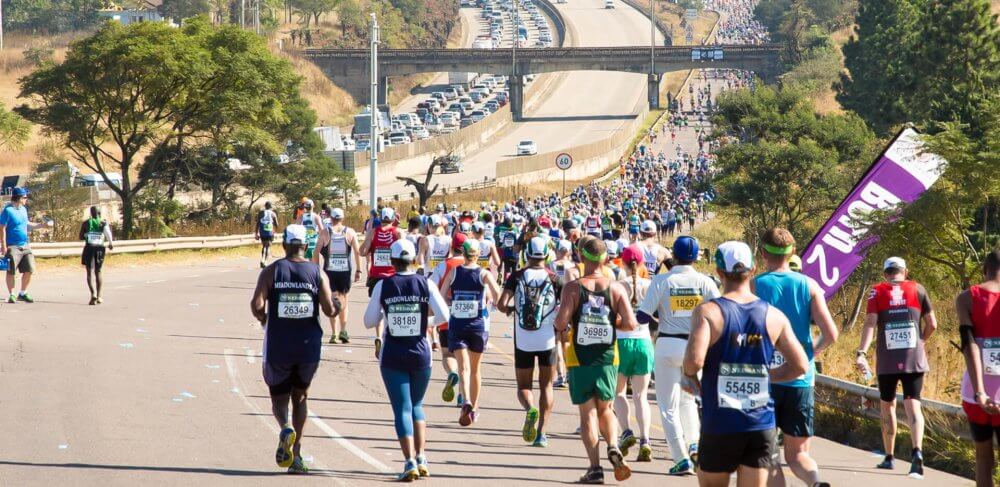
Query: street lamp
[[373, 134]]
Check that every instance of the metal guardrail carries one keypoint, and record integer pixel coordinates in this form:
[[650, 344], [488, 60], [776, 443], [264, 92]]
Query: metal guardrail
[[73, 249], [389, 56]]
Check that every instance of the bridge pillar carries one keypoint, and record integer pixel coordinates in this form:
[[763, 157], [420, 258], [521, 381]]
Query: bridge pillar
[[516, 97], [383, 91], [653, 90]]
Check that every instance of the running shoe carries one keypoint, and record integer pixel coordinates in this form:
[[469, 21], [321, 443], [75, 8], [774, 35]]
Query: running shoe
[[559, 383], [99, 300], [594, 475], [262, 264], [821, 484], [93, 301], [333, 340], [683, 467], [622, 470], [529, 432], [474, 415], [286, 439], [12, 299], [693, 453], [645, 452], [422, 466], [626, 440], [298, 467], [541, 441], [410, 472], [917, 466], [344, 337], [378, 348], [465, 418], [25, 297], [448, 394], [460, 400], [886, 464]]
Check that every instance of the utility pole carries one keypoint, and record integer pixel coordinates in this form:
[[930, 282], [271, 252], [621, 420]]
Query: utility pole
[[374, 136], [652, 37], [243, 14]]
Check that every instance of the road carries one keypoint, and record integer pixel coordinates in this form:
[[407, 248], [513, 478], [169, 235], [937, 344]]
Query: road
[[585, 106], [161, 386]]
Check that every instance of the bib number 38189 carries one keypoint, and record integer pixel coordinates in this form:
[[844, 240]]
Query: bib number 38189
[[403, 319]]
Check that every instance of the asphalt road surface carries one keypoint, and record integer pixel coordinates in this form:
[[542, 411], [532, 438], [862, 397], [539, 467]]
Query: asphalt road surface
[[161, 385]]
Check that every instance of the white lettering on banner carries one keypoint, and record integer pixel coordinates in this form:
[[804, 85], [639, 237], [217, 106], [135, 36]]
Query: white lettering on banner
[[819, 255]]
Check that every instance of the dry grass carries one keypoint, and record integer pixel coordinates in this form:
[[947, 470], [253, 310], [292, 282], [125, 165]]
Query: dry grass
[[995, 4], [332, 104]]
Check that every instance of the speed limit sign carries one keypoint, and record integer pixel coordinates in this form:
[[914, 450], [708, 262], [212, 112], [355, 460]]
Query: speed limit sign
[[564, 161]]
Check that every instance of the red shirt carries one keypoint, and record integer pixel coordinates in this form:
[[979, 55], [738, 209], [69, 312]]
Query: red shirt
[[381, 266]]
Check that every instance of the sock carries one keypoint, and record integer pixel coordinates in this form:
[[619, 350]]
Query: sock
[[888, 457], [917, 453]]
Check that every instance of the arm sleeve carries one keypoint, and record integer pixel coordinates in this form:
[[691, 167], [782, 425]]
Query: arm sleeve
[[437, 304], [373, 313]]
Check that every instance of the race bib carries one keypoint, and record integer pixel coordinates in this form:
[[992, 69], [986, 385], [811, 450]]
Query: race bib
[[403, 319], [338, 263], [295, 306], [743, 386], [484, 263], [900, 335], [683, 301], [382, 258], [267, 228], [991, 356], [508, 240], [595, 328], [465, 306], [777, 360], [95, 238]]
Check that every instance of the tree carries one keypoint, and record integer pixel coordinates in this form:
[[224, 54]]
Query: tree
[[312, 9], [793, 28], [424, 189], [181, 9], [14, 130], [879, 59], [349, 14]]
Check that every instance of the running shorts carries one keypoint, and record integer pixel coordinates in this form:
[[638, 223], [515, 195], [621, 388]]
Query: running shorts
[[20, 259], [635, 356], [371, 284], [282, 378], [982, 425], [93, 256], [443, 337], [913, 384], [725, 453], [266, 238], [473, 340], [340, 282], [793, 409], [587, 382], [526, 360]]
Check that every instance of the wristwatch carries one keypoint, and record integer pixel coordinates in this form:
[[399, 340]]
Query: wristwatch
[[862, 353], [976, 396]]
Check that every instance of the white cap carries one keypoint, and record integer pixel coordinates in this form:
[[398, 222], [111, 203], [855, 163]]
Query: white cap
[[308, 203], [565, 245], [403, 249], [464, 227], [614, 250], [337, 214], [295, 234], [537, 248], [894, 263], [647, 226], [734, 257], [471, 244], [478, 227], [435, 220], [388, 213]]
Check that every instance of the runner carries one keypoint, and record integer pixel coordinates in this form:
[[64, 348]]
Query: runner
[[438, 245], [652, 252], [673, 297], [267, 221], [95, 232], [732, 340], [979, 326], [635, 362], [378, 242], [591, 311], [339, 255], [448, 360], [535, 291], [419, 241], [802, 301], [508, 236], [403, 301], [314, 226], [14, 229], [489, 258], [468, 288], [566, 271], [289, 295], [896, 308]]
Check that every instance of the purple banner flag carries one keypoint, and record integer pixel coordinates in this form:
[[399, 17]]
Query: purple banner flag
[[900, 175]]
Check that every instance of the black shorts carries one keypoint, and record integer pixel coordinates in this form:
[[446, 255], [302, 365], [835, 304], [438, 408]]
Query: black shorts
[[340, 282], [282, 378], [913, 384], [526, 360], [93, 256], [371, 282], [984, 432], [443, 338], [725, 453], [266, 239], [793, 409]]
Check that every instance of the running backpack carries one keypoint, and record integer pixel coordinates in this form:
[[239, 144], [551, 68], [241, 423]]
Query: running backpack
[[533, 301]]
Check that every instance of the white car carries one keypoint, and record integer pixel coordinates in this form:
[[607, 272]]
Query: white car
[[477, 115], [420, 133], [527, 148], [609, 3], [399, 138], [449, 119]]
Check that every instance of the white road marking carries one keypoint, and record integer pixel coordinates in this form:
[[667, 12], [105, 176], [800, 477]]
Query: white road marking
[[358, 452], [251, 358], [157, 281], [123, 287]]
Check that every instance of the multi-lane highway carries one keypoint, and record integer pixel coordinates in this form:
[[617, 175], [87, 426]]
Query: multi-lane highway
[[161, 386]]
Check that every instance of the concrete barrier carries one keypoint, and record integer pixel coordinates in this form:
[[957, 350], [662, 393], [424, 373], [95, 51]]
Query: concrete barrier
[[75, 249]]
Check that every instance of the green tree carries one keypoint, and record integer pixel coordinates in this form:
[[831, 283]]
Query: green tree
[[349, 14], [793, 27], [313, 9], [179, 10], [14, 130]]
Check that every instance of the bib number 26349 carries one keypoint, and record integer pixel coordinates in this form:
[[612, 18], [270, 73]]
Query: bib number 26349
[[295, 306]]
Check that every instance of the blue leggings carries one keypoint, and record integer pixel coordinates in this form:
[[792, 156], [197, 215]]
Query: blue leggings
[[406, 390]]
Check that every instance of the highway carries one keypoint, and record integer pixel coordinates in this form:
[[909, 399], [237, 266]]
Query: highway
[[584, 106], [161, 386]]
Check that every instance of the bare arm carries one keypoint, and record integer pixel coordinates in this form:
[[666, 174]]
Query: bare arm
[[698, 342], [623, 306], [930, 325], [567, 304], [258, 303], [823, 319], [502, 303], [366, 246], [446, 286], [492, 288], [321, 243], [796, 362], [356, 250]]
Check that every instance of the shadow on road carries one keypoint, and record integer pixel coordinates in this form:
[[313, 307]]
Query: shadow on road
[[219, 471]]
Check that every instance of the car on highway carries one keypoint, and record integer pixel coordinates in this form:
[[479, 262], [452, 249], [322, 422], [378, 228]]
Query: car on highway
[[609, 3], [399, 138], [450, 164], [477, 96], [492, 106], [434, 126], [467, 103], [458, 89], [450, 94], [465, 122], [449, 119], [439, 96], [527, 148], [420, 133], [477, 115], [458, 109], [422, 113]]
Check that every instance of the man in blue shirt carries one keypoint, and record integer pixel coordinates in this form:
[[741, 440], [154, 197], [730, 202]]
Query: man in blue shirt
[[14, 229]]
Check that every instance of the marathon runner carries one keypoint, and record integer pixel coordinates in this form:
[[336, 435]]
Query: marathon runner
[[14, 229], [314, 226], [489, 258], [339, 255], [978, 311], [377, 246], [635, 362], [896, 309], [419, 241], [592, 310], [289, 295], [673, 297], [535, 291], [802, 301], [468, 288], [448, 360], [267, 221], [732, 340], [403, 301], [654, 255], [95, 232], [508, 237], [438, 244]]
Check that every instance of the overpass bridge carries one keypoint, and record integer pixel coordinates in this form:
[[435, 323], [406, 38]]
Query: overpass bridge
[[349, 68]]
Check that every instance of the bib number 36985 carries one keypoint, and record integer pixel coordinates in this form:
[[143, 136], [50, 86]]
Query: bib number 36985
[[295, 306]]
